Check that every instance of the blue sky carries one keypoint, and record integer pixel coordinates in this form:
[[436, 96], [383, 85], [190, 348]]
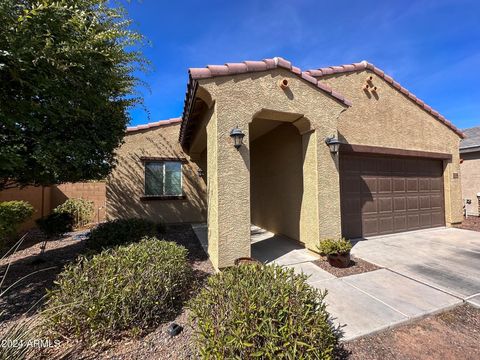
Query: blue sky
[[430, 47]]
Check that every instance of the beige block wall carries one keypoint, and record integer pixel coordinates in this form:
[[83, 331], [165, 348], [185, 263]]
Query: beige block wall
[[37, 196], [237, 100], [93, 191], [277, 181], [125, 185], [470, 168], [389, 119]]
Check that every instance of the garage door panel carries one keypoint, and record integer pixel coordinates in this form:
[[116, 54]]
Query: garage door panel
[[436, 201], [424, 202], [412, 185], [438, 218], [385, 225], [370, 225], [400, 222], [384, 185], [399, 185], [400, 204], [382, 195], [425, 220], [412, 203], [385, 205], [369, 206], [413, 221], [370, 184]]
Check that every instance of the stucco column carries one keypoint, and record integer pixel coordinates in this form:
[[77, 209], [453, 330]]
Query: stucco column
[[228, 191], [320, 215], [329, 217], [309, 230]]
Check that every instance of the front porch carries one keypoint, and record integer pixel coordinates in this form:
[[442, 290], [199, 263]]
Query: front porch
[[266, 246]]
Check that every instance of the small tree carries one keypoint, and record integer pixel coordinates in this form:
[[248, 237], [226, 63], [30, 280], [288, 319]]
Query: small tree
[[66, 84]]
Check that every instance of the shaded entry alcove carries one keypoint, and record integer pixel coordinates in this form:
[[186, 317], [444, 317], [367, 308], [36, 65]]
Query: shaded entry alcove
[[276, 177]]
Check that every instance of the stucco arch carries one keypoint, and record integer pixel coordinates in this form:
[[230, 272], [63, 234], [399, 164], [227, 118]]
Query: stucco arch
[[302, 123]]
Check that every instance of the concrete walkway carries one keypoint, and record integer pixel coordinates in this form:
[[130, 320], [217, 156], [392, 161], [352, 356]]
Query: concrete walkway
[[447, 259], [372, 301]]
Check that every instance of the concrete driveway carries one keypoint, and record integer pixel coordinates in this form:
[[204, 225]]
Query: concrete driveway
[[424, 272], [447, 259]]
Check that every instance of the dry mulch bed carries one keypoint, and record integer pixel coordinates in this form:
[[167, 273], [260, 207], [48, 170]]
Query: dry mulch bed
[[357, 266], [454, 334], [470, 223], [156, 344]]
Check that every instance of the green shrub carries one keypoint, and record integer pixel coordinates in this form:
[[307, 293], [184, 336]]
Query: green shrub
[[121, 232], [56, 224], [12, 215], [334, 246], [262, 311], [82, 211], [130, 287]]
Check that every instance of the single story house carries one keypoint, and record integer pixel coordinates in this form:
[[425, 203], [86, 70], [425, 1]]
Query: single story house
[[337, 151], [470, 166]]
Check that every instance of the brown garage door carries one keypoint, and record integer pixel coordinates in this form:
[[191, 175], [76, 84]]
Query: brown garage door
[[383, 195]]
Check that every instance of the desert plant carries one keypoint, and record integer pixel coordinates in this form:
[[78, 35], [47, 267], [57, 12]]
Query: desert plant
[[121, 232], [12, 215], [334, 246], [16, 338], [129, 287], [263, 312], [81, 210]]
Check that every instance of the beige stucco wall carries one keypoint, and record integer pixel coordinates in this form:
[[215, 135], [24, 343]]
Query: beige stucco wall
[[125, 185], [236, 101], [276, 176], [389, 119], [470, 171]]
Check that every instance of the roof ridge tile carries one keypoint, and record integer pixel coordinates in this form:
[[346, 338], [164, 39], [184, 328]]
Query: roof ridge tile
[[154, 124]]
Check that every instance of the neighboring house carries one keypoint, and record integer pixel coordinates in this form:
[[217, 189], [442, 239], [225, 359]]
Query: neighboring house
[[470, 167], [397, 168]]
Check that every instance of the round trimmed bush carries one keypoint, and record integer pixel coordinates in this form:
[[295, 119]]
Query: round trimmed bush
[[121, 232], [263, 312], [130, 287], [12, 215]]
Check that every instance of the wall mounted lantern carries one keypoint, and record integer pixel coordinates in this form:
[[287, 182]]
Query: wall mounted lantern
[[237, 135], [333, 143]]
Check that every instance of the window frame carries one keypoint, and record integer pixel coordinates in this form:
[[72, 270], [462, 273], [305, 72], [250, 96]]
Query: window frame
[[148, 160]]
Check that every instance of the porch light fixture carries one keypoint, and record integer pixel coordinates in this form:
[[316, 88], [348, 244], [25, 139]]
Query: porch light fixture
[[333, 143], [237, 135]]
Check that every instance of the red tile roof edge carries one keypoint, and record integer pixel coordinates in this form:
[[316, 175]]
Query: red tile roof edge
[[244, 67], [211, 71], [154, 124], [365, 65]]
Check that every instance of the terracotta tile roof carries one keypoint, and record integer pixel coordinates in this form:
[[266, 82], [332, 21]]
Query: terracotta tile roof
[[263, 65], [364, 65], [154, 124], [211, 71]]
